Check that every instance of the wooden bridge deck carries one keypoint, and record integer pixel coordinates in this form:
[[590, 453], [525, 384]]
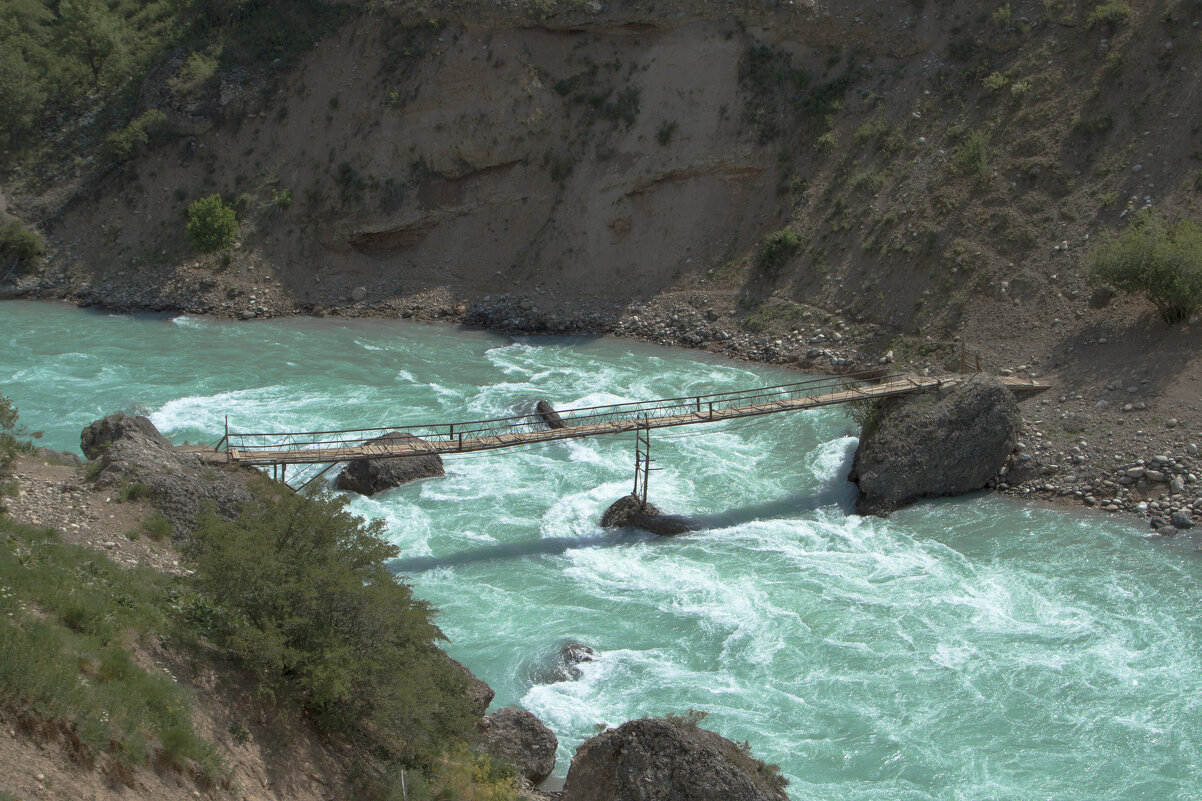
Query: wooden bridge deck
[[297, 449]]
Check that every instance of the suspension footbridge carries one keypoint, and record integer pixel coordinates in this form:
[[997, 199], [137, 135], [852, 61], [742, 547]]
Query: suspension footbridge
[[280, 450]]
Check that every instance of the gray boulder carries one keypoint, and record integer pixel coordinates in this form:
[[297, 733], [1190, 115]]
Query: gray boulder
[[99, 435], [547, 412], [664, 760], [369, 476], [943, 442], [131, 449], [1181, 520], [518, 737], [629, 512]]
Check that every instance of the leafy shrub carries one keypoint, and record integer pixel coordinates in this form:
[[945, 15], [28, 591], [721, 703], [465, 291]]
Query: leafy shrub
[[158, 527], [19, 247], [665, 133], [972, 156], [212, 224], [126, 143], [1110, 14], [776, 249], [308, 603], [995, 81], [132, 492], [1163, 263]]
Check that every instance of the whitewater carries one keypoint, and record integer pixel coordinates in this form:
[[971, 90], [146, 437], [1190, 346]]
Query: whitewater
[[975, 648]]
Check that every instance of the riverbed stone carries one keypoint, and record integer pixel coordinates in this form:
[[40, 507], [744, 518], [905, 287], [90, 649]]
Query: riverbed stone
[[1181, 520], [943, 442]]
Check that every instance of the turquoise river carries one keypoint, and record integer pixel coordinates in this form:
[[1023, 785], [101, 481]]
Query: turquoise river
[[969, 649]]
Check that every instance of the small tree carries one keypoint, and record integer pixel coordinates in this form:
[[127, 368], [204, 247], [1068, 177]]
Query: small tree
[[19, 248], [1164, 263], [212, 224]]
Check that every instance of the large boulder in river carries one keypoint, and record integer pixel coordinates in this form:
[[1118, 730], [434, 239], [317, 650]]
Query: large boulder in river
[[548, 414], [369, 476], [630, 512], [943, 442], [518, 737], [131, 450], [666, 760]]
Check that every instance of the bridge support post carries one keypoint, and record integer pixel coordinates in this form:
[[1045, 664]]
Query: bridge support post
[[642, 463]]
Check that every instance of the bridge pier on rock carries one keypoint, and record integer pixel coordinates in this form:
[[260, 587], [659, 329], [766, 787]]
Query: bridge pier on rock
[[947, 442]]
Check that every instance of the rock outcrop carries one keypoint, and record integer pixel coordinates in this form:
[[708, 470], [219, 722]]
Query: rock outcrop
[[520, 738], [946, 442], [96, 438], [369, 476], [551, 417], [663, 760], [131, 449], [629, 512], [562, 665], [478, 691]]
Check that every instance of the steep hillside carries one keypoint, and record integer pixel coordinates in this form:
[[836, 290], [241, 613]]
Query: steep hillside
[[824, 182]]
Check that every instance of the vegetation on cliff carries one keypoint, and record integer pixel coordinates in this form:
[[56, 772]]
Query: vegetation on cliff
[[77, 66], [293, 596], [298, 588]]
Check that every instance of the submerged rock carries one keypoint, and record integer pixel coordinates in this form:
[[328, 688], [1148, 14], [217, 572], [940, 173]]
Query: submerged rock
[[562, 665], [943, 442], [520, 738], [369, 476], [1181, 520], [629, 512], [551, 417], [664, 760]]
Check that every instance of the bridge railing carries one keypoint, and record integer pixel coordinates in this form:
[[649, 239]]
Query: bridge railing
[[699, 407]]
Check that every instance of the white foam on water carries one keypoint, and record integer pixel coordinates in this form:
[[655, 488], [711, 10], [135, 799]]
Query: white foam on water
[[952, 657], [184, 321], [406, 376]]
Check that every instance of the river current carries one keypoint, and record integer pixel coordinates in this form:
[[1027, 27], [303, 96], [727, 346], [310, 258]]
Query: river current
[[967, 649]]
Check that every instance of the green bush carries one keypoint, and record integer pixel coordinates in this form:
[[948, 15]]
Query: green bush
[[1110, 14], [158, 527], [1162, 262], [308, 603], [19, 247], [972, 156], [126, 143], [212, 225], [776, 249]]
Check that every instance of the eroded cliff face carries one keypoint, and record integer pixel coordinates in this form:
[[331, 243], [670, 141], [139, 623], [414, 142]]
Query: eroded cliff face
[[943, 164]]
